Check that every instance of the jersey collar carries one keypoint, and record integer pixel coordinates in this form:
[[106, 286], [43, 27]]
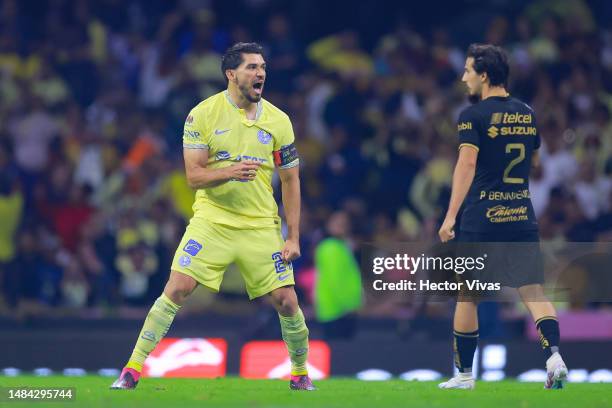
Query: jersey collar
[[500, 97], [257, 113]]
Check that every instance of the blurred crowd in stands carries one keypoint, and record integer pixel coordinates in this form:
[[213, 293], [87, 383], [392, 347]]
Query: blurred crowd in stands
[[93, 96]]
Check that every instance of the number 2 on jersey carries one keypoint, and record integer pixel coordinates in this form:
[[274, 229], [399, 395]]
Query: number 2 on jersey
[[521, 156]]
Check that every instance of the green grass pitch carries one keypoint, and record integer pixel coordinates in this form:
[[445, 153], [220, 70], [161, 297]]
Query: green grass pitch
[[92, 392]]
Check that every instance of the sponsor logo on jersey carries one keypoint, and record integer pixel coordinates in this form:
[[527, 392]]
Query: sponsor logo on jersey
[[518, 130], [263, 136], [242, 157], [223, 155], [282, 278], [493, 132], [221, 131], [464, 126], [496, 118], [503, 213], [191, 134], [192, 247], [517, 118], [189, 120]]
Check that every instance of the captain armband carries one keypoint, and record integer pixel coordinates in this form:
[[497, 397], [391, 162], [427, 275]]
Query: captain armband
[[286, 157]]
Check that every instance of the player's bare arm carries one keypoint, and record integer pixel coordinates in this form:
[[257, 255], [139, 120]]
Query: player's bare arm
[[201, 176], [462, 181], [535, 159], [290, 184]]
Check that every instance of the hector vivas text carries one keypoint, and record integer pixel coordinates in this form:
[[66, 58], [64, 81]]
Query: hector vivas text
[[412, 264]]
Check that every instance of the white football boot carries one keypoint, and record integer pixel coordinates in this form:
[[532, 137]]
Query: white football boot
[[556, 372], [462, 381]]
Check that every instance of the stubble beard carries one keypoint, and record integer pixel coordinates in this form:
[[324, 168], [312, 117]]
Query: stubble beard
[[244, 89]]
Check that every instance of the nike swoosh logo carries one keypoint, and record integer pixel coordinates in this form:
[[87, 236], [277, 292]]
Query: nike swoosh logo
[[221, 131], [282, 278]]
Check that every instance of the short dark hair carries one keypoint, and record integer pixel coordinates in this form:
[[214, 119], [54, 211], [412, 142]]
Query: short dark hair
[[233, 56], [490, 59]]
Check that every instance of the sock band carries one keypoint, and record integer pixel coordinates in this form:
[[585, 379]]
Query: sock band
[[548, 328], [465, 334], [545, 318], [169, 303]]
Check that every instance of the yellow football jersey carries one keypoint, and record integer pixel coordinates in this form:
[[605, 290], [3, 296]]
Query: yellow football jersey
[[218, 125]]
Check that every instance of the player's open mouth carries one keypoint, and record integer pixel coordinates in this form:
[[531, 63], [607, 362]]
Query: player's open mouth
[[258, 87]]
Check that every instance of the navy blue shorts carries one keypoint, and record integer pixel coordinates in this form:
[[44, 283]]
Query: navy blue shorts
[[514, 236], [513, 259]]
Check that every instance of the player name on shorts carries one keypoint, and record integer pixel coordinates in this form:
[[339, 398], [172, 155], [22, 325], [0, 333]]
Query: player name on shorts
[[504, 195], [428, 286], [502, 213]]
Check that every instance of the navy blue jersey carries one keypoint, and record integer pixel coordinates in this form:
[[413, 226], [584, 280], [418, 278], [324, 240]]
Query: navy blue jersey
[[504, 131]]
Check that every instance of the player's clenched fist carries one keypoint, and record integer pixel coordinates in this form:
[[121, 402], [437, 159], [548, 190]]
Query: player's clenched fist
[[243, 171], [291, 251], [447, 231]]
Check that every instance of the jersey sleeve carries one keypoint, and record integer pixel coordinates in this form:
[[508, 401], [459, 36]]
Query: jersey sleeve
[[467, 128], [195, 135], [285, 153]]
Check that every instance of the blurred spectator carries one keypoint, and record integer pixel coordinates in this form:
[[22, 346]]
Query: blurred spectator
[[70, 217], [282, 54], [136, 264], [559, 164], [592, 191], [32, 134], [341, 53], [11, 209], [22, 280]]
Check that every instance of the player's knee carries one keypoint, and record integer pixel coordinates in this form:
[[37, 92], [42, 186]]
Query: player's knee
[[179, 288], [176, 294], [288, 309], [287, 305]]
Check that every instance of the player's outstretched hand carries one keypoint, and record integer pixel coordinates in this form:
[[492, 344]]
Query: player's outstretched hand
[[290, 251], [243, 171], [447, 230]]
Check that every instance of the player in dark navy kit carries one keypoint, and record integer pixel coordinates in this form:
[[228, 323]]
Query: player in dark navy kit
[[498, 139]]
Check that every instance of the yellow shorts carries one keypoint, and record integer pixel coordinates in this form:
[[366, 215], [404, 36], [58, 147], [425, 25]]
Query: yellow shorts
[[207, 249]]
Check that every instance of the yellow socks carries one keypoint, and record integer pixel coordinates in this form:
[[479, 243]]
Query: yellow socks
[[155, 327], [161, 315], [295, 335]]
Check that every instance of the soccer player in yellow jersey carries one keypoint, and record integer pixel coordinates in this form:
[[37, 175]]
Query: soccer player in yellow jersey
[[232, 142]]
